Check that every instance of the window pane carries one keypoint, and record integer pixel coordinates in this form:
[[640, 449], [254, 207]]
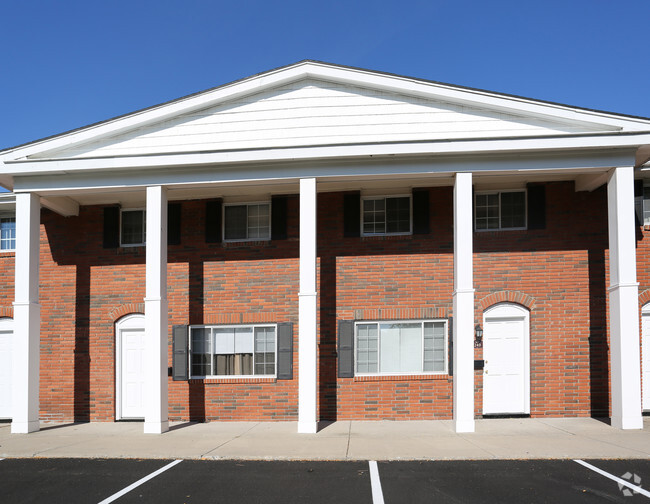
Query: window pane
[[389, 348], [200, 351], [132, 227], [224, 341], [513, 209], [410, 348], [398, 215], [367, 348], [258, 221], [265, 350], [374, 216], [235, 222], [244, 340], [8, 233], [646, 205]]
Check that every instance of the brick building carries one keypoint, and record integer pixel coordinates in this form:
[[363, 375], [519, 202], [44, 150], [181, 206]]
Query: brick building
[[327, 243]]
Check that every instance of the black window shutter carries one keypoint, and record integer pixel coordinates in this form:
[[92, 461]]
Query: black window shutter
[[173, 224], [279, 218], [536, 207], [346, 349], [111, 227], [420, 211], [179, 357], [213, 209], [352, 215], [285, 351], [638, 201], [450, 347]]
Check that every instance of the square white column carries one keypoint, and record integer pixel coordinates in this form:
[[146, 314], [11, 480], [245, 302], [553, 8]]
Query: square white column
[[463, 305], [27, 317], [625, 355], [156, 313], [307, 348]]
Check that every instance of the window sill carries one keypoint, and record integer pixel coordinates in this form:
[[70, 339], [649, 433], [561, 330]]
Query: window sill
[[401, 378], [401, 236], [7, 253], [232, 380]]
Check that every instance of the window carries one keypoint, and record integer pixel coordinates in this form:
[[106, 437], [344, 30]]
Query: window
[[247, 222], [401, 347], [132, 228], [7, 233], [387, 215], [232, 350], [500, 210], [646, 205]]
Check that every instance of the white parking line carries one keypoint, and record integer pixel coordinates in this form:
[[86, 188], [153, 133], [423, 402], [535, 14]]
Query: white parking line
[[375, 483], [614, 478], [139, 482]]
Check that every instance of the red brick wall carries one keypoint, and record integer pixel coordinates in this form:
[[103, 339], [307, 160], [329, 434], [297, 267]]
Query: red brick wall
[[559, 273]]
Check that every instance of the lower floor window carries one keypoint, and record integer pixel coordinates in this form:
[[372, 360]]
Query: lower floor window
[[401, 347], [233, 350]]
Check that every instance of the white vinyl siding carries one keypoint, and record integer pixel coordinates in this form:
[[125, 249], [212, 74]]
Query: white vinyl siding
[[251, 221], [222, 351], [499, 210], [312, 112], [406, 347]]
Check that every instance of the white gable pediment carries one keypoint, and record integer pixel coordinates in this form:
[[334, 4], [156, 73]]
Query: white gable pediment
[[315, 112]]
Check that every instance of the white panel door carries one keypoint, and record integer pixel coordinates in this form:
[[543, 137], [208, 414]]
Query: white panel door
[[645, 324], [505, 374], [132, 373], [6, 359]]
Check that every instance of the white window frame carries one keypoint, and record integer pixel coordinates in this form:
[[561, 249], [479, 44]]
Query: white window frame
[[646, 206], [386, 197], [499, 193], [231, 326], [144, 227], [7, 215], [420, 321], [246, 204]]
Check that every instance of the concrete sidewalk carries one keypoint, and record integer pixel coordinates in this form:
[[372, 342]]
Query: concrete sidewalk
[[418, 440]]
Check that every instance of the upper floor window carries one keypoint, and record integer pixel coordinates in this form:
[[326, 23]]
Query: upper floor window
[[251, 221], [500, 210], [405, 347], [132, 227], [233, 350], [387, 215], [7, 233]]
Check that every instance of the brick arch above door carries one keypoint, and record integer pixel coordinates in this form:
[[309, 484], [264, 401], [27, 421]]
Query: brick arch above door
[[506, 297]]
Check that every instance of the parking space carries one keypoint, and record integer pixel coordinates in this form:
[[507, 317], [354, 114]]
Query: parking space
[[199, 481], [508, 481]]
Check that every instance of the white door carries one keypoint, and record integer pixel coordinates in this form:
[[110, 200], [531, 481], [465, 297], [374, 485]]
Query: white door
[[645, 349], [130, 368], [506, 372], [6, 359]]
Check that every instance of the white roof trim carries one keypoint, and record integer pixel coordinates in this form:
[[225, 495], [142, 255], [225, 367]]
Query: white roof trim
[[42, 166], [317, 70]]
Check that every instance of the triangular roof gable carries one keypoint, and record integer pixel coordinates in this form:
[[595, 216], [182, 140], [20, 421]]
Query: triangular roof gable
[[554, 117]]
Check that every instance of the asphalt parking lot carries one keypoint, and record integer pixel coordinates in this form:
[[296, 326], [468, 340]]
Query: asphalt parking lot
[[201, 481]]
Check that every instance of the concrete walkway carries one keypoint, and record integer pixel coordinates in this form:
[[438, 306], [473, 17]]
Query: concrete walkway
[[418, 440]]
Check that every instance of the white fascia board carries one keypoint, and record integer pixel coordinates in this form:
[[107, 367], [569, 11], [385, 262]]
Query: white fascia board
[[337, 169], [328, 152], [357, 77]]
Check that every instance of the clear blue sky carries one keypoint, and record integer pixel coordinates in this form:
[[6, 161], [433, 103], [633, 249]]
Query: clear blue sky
[[69, 63]]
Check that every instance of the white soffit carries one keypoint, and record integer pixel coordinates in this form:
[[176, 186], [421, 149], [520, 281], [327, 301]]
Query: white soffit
[[308, 82]]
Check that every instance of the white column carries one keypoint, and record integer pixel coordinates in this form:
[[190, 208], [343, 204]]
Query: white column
[[156, 314], [463, 330], [625, 358], [27, 317], [307, 356]]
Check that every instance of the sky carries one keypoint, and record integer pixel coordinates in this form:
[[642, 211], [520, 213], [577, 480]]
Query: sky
[[69, 63]]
